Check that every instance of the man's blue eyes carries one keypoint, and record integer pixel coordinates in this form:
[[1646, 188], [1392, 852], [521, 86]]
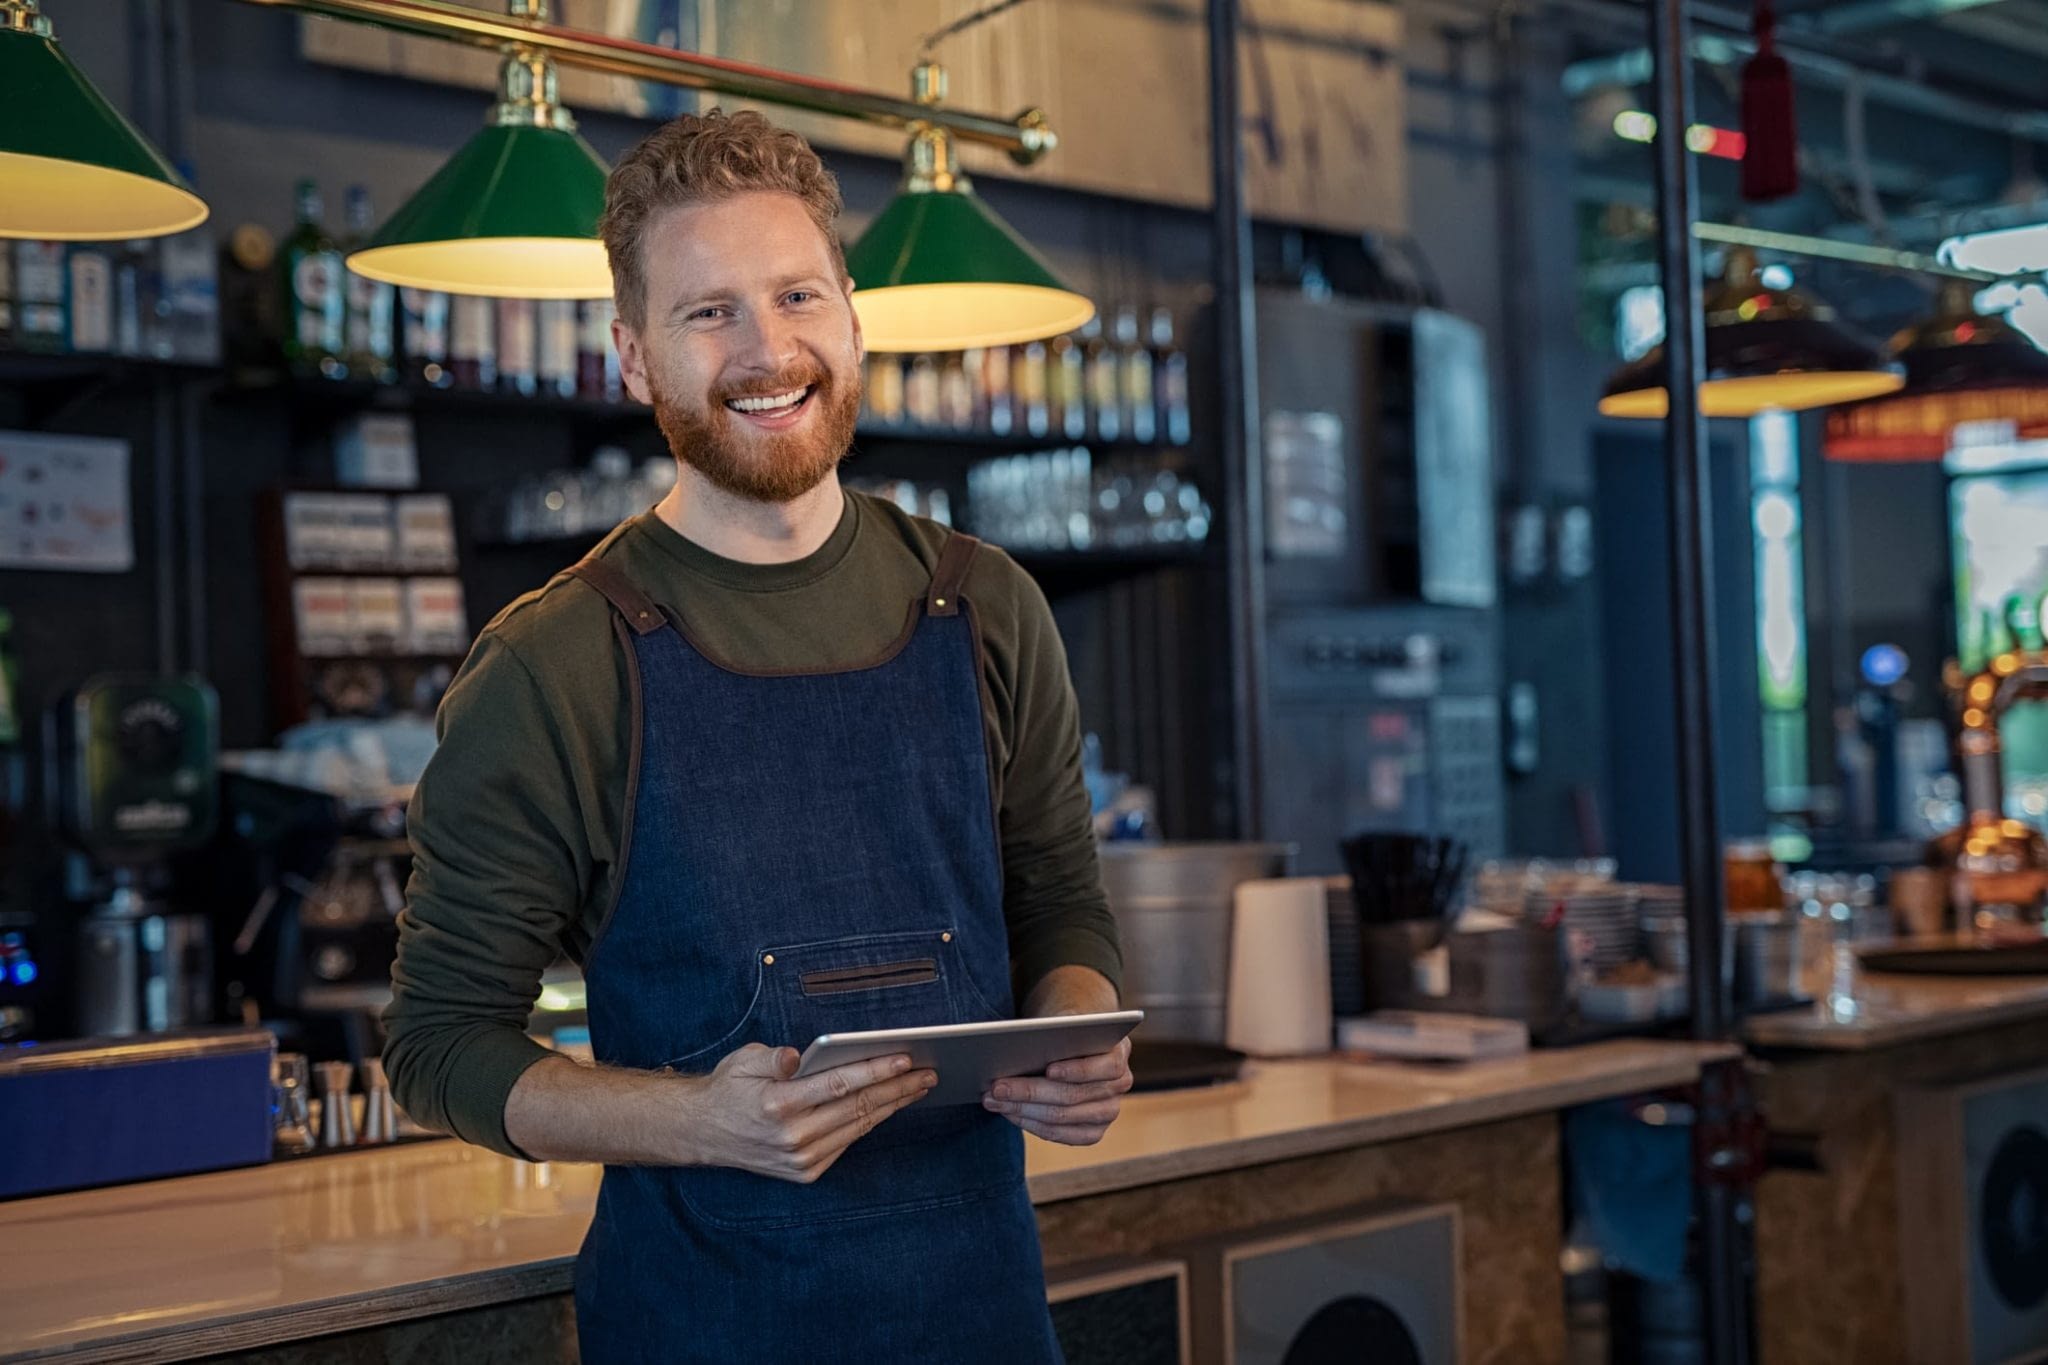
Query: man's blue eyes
[[794, 296]]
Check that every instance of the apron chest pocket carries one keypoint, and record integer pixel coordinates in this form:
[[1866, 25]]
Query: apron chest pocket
[[916, 971]]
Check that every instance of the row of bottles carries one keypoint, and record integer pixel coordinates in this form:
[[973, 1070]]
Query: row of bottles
[[154, 298], [341, 325], [1081, 387]]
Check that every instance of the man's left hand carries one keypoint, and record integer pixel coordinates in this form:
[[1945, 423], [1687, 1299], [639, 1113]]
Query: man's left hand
[[1073, 1103]]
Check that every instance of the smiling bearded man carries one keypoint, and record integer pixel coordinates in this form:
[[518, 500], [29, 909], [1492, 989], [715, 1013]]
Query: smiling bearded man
[[774, 760]]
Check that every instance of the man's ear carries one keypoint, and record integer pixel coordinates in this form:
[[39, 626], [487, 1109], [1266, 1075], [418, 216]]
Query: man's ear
[[860, 342], [632, 361]]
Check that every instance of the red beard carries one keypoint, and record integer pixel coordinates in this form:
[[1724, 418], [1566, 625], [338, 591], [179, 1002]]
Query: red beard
[[771, 467]]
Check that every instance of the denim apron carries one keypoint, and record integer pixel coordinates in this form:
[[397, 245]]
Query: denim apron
[[809, 853]]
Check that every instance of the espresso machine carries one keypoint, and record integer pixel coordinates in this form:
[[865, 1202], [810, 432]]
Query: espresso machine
[[135, 776]]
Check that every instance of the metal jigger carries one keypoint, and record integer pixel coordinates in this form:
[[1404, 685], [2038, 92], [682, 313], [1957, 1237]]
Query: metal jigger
[[380, 1117], [337, 1121]]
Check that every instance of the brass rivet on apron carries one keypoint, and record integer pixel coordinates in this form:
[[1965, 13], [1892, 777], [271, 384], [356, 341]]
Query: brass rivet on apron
[[938, 601], [644, 615], [945, 938], [768, 960]]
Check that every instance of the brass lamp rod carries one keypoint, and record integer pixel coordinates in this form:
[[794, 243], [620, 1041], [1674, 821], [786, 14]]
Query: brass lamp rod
[[1025, 137], [1799, 244]]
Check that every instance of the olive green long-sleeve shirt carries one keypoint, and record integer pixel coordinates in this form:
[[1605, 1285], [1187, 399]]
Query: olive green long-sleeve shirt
[[518, 820]]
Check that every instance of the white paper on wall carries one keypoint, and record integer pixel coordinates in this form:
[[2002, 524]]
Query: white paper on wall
[[64, 503]]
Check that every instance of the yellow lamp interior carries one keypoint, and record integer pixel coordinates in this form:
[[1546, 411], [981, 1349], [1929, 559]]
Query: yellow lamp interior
[[500, 267], [953, 317], [47, 199], [1748, 395]]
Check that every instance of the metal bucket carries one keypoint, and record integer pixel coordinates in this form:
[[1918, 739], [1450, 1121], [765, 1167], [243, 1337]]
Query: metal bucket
[[1173, 909]]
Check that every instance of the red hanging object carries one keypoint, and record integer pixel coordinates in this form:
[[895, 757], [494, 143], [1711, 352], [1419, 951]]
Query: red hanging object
[[1770, 158]]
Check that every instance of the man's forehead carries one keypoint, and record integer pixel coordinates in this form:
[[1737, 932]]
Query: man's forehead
[[752, 236]]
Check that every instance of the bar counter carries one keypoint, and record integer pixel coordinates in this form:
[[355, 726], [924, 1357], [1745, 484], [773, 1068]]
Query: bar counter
[[346, 1246], [1847, 1247]]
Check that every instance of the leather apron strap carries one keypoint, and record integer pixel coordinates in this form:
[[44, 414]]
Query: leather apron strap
[[642, 616], [950, 574]]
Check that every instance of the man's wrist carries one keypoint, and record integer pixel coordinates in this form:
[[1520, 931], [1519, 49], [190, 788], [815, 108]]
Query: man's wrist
[[1070, 989]]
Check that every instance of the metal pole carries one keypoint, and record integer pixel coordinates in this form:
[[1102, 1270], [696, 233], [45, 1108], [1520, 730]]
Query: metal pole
[[1237, 393], [1688, 508], [1025, 137]]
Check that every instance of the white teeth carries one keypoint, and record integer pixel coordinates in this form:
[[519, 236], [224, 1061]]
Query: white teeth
[[775, 404]]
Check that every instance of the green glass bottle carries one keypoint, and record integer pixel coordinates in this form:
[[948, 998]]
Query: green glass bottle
[[314, 291]]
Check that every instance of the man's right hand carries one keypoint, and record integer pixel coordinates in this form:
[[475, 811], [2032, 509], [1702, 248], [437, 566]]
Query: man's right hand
[[749, 1114]]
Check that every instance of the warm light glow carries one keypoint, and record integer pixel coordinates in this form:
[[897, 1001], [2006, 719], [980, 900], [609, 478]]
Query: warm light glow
[[954, 317], [499, 267], [45, 199], [1702, 139], [1973, 719], [1748, 395]]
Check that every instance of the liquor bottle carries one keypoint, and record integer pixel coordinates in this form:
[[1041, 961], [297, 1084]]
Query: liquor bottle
[[472, 354], [921, 392], [597, 361], [956, 393], [138, 330], [313, 291], [1032, 381], [1170, 380], [423, 336], [995, 390], [1067, 373], [558, 347], [1141, 412], [974, 369], [518, 348], [91, 268], [1104, 381], [367, 331], [189, 293], [39, 274], [13, 759], [884, 389]]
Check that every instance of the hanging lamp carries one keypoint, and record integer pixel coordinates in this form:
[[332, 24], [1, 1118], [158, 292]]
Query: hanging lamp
[[1765, 349], [938, 270], [71, 167], [514, 213], [1961, 366]]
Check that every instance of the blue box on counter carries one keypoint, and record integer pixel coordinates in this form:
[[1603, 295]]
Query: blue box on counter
[[99, 1111]]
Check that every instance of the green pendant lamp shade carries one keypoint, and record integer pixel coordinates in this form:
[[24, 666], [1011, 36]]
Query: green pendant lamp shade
[[513, 215], [939, 271], [1961, 366], [1766, 349], [71, 167]]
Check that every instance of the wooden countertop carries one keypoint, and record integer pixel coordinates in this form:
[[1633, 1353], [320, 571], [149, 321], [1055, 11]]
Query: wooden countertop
[[239, 1259], [1879, 1009]]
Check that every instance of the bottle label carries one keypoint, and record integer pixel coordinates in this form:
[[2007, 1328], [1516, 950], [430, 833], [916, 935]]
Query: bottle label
[[316, 282], [558, 339], [369, 317], [472, 324], [515, 336], [92, 302], [426, 324]]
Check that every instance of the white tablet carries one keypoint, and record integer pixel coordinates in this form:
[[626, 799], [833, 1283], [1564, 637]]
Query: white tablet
[[971, 1057]]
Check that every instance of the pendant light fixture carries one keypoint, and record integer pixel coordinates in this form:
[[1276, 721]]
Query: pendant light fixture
[[514, 213], [1766, 349], [71, 167], [938, 270], [1961, 366]]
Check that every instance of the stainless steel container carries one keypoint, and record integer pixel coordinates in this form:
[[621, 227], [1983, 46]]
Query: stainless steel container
[[1173, 909]]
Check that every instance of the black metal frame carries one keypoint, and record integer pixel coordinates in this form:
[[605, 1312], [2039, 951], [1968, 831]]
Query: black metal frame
[[1720, 1190]]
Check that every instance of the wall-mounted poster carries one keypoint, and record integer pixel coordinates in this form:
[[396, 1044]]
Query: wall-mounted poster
[[1320, 82], [64, 503]]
